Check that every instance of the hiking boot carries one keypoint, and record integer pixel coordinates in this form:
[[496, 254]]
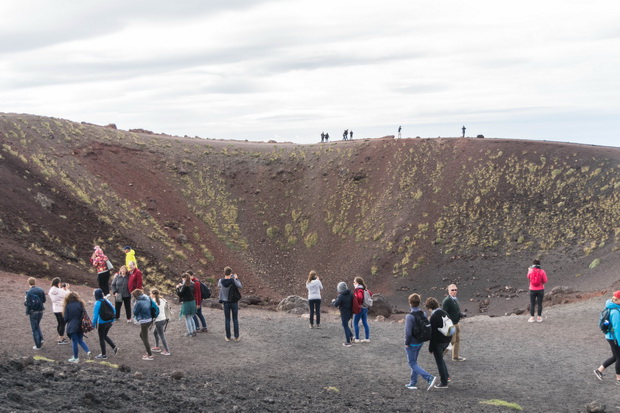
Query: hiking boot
[[74, 360], [346, 344], [147, 357], [115, 350], [598, 374], [539, 319], [531, 319], [432, 382], [441, 386], [411, 386], [459, 359], [101, 357], [165, 353], [156, 349], [89, 355]]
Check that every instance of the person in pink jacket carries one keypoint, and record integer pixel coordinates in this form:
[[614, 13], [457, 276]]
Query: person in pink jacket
[[538, 279]]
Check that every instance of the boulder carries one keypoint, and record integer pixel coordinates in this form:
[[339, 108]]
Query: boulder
[[380, 306], [293, 304], [595, 407]]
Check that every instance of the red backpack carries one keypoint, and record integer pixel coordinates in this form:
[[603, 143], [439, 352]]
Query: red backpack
[[536, 277], [356, 308]]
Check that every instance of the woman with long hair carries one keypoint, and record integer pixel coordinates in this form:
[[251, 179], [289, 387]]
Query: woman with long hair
[[57, 294], [160, 324], [314, 286], [185, 291], [142, 314], [358, 294], [74, 309]]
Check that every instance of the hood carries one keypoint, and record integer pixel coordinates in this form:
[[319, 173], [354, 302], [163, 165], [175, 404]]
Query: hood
[[143, 297], [227, 282], [342, 287], [98, 294], [346, 292], [611, 304]]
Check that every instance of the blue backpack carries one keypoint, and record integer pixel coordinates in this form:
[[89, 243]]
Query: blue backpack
[[154, 309]]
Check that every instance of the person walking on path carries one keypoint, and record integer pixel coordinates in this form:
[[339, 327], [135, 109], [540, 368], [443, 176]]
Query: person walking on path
[[231, 303], [358, 293], [142, 314], [35, 297], [122, 295], [100, 261], [538, 279], [185, 291], [103, 326], [75, 308], [451, 306], [57, 294], [130, 255], [314, 287], [613, 337], [413, 344], [135, 278], [160, 324], [345, 303], [439, 342], [198, 297]]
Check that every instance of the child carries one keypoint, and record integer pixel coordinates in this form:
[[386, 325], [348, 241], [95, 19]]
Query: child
[[345, 303]]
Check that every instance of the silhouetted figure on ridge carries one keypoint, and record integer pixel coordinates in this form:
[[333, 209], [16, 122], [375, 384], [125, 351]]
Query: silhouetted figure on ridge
[[463, 130], [399, 129]]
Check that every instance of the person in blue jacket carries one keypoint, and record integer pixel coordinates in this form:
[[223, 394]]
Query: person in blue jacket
[[74, 311], [142, 314], [103, 326], [413, 345], [613, 338], [35, 297]]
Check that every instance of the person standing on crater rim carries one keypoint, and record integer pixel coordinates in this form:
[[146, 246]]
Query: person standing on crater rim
[[35, 297], [399, 129], [463, 130], [538, 279], [451, 306]]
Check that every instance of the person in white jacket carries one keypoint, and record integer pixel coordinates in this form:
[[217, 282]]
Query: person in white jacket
[[57, 295], [314, 287]]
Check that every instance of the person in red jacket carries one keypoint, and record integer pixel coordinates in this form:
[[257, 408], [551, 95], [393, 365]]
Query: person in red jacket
[[135, 278], [198, 298], [538, 279]]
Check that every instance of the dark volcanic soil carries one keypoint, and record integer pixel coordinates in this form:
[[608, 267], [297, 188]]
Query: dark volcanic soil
[[282, 365]]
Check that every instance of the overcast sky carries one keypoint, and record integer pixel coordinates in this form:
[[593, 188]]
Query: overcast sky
[[288, 70]]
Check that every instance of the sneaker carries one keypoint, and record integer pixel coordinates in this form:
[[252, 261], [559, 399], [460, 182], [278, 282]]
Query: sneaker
[[156, 349], [598, 374], [318, 326], [411, 386], [237, 339], [101, 357], [227, 338], [432, 382], [73, 360], [441, 386], [36, 348], [618, 382], [165, 353], [365, 340], [311, 326], [89, 355], [531, 319], [107, 296], [539, 319], [346, 344], [356, 340], [147, 357], [204, 330], [129, 321], [115, 350], [63, 341], [459, 359]]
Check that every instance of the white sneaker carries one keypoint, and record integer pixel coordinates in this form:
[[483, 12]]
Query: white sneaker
[[539, 319], [365, 340], [74, 360], [531, 319]]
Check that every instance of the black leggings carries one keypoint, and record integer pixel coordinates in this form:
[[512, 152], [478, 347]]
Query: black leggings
[[315, 306], [103, 329], [119, 304], [60, 328], [144, 335], [536, 297], [615, 356], [103, 279]]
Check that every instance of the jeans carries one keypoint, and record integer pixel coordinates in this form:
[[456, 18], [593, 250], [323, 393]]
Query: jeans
[[347, 331], [441, 364], [60, 328], [198, 316], [119, 304], [35, 321], [189, 324], [536, 298], [363, 315], [159, 333], [144, 335], [315, 308], [102, 330], [412, 358], [234, 309], [103, 279], [615, 356], [77, 338]]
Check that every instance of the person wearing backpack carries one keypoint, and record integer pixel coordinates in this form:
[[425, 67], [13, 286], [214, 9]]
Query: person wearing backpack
[[185, 291], [198, 297], [415, 324], [613, 337], [314, 287], [74, 309], [451, 306], [142, 314], [438, 342], [345, 303], [360, 291], [538, 279], [160, 324], [228, 284], [104, 315], [35, 297]]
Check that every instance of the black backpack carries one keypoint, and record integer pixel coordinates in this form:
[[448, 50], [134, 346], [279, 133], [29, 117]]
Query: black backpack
[[33, 302], [106, 312], [233, 293], [205, 292], [422, 330], [604, 321]]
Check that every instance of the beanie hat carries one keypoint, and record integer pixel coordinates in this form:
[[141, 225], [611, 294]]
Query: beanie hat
[[98, 294], [617, 294], [342, 287]]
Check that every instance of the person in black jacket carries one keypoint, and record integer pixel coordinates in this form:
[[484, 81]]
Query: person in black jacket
[[345, 303], [438, 343], [35, 297], [74, 309], [451, 306]]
